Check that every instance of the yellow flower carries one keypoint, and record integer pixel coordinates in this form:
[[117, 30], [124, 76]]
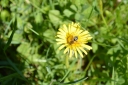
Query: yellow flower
[[73, 39]]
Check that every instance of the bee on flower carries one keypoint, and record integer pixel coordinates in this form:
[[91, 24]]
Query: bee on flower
[[73, 39]]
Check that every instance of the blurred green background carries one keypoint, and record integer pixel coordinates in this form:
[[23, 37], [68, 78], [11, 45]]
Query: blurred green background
[[29, 54]]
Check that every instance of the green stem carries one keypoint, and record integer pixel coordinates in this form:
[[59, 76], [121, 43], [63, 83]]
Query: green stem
[[34, 5], [113, 82], [67, 61], [89, 64], [101, 12]]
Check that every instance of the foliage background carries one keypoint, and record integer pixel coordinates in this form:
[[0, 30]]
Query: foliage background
[[29, 54]]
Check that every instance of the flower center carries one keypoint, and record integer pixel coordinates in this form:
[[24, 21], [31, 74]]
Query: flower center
[[71, 39]]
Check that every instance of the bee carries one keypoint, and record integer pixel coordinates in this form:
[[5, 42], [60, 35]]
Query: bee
[[75, 38]]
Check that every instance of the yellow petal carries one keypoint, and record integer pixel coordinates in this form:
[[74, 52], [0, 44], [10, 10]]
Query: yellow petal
[[78, 31], [73, 29], [70, 53], [79, 52], [60, 36], [61, 33], [65, 28], [60, 42], [84, 33], [66, 50], [89, 38], [87, 46], [75, 51], [62, 46], [69, 28], [83, 50], [60, 30]]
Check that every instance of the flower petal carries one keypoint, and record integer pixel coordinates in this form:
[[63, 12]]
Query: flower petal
[[61, 40], [62, 46], [79, 52], [70, 53], [75, 51], [66, 50], [65, 28], [60, 36], [87, 46], [83, 50], [60, 43]]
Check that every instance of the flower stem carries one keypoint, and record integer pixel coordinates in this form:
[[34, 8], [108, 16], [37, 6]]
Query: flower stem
[[89, 64], [66, 61], [101, 12]]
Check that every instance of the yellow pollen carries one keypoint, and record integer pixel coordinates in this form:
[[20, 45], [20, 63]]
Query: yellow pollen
[[71, 39]]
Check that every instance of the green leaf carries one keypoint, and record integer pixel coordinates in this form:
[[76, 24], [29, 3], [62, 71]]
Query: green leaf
[[38, 18], [11, 36], [9, 76], [76, 81], [14, 66], [20, 22], [94, 47], [78, 16], [73, 7], [67, 13], [55, 17], [87, 11], [24, 49], [17, 37], [110, 51], [49, 35]]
